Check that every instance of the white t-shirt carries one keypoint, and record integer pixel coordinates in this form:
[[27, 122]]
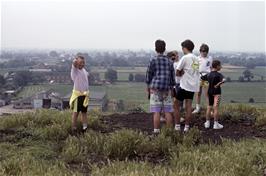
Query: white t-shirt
[[205, 64], [177, 78], [189, 63]]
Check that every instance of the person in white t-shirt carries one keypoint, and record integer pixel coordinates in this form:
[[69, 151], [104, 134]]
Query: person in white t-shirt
[[173, 55], [188, 69], [205, 62]]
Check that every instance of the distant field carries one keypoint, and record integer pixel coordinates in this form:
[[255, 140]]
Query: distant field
[[28, 91], [134, 93], [228, 71]]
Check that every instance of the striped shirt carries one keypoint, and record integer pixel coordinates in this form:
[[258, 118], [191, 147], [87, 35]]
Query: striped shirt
[[160, 73]]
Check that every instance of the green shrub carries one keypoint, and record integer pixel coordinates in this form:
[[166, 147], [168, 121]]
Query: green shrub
[[123, 144], [192, 138], [73, 150]]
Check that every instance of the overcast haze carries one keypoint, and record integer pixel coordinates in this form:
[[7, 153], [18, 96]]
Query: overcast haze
[[225, 26]]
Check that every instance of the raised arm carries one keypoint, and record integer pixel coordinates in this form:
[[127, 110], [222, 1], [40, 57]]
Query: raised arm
[[74, 69]]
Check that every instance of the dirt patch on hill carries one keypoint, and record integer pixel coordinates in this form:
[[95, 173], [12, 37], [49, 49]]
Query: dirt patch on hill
[[237, 129]]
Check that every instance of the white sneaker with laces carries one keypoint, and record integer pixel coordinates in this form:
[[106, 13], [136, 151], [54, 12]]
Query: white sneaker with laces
[[207, 124], [186, 129], [177, 127], [196, 111], [217, 126], [162, 119]]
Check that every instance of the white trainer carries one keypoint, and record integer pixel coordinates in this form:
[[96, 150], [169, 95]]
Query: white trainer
[[207, 124], [196, 111], [217, 126], [177, 128], [186, 129], [162, 119]]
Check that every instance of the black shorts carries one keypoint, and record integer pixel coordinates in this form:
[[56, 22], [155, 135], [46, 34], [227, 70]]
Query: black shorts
[[80, 107], [183, 94]]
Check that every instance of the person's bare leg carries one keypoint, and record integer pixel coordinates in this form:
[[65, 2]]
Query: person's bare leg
[[156, 121], [215, 107], [84, 121], [169, 119], [208, 113], [74, 120], [216, 113], [205, 89], [198, 99], [188, 103], [175, 107]]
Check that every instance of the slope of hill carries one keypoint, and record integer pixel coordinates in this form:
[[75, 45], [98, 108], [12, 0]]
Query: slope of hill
[[41, 143]]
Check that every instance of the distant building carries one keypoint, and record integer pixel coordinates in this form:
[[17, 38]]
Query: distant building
[[51, 99], [59, 77], [98, 100], [45, 99], [41, 70]]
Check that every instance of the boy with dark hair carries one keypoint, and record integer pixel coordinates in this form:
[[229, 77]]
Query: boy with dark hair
[[79, 99], [215, 80], [188, 69], [205, 62], [160, 79]]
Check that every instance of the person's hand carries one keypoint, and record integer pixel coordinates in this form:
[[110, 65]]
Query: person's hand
[[75, 63], [182, 72], [216, 86]]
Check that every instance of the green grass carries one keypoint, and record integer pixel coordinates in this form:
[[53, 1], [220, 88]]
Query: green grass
[[40, 144], [242, 92], [235, 73], [28, 91]]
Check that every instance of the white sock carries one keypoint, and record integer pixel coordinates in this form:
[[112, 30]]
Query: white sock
[[85, 126], [156, 130], [215, 122], [197, 106], [177, 125], [186, 126], [208, 121]]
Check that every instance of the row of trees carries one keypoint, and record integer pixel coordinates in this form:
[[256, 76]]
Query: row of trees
[[111, 75]]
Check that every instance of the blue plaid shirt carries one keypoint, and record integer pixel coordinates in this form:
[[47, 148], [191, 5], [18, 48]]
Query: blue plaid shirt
[[160, 73]]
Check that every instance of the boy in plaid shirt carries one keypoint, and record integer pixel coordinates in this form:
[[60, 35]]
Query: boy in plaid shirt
[[160, 79]]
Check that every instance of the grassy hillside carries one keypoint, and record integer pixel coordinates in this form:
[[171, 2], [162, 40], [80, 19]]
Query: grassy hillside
[[41, 144]]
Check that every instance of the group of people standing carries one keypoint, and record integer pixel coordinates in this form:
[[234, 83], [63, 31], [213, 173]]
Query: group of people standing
[[172, 82]]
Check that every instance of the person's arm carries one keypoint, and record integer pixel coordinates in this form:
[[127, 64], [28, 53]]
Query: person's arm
[[222, 80], [74, 69], [149, 76], [172, 76], [180, 67]]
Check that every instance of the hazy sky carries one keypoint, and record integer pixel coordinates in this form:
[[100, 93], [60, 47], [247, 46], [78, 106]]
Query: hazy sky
[[225, 26]]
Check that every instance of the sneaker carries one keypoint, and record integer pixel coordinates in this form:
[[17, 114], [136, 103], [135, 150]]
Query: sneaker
[[196, 111], [207, 124], [178, 128], [186, 129], [182, 119], [162, 119], [217, 126]]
